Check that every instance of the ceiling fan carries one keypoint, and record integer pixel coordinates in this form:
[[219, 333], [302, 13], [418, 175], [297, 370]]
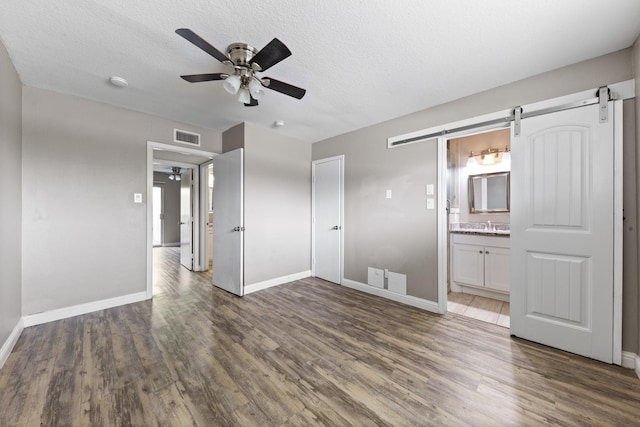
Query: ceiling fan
[[246, 62]]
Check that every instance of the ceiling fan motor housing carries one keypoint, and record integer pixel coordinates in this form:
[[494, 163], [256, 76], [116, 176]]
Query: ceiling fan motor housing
[[241, 53]]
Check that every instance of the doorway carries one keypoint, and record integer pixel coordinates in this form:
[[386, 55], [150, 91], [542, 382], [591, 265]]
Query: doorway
[[478, 226], [167, 156]]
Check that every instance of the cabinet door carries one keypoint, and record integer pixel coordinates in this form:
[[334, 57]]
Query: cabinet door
[[468, 264], [496, 268]]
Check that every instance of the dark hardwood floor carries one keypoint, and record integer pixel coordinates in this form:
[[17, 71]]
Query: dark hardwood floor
[[304, 353]]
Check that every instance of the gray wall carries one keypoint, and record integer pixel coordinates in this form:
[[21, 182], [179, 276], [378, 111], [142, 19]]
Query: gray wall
[[233, 138], [10, 196], [277, 216], [171, 207], [84, 239], [370, 167], [277, 202], [398, 234]]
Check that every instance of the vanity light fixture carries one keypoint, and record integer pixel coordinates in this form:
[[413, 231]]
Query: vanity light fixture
[[489, 156]]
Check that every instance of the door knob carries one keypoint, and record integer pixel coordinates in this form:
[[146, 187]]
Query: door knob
[[336, 227], [238, 228]]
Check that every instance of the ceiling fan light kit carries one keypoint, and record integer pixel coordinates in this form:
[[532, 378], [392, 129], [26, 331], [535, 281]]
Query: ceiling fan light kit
[[231, 84], [246, 62]]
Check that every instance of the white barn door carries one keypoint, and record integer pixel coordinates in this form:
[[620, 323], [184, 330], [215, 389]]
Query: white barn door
[[562, 232]]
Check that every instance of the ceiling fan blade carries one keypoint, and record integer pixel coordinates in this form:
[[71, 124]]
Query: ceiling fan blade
[[285, 88], [253, 103], [274, 52], [202, 44], [196, 78]]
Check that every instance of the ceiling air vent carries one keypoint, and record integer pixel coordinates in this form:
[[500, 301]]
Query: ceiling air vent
[[185, 137]]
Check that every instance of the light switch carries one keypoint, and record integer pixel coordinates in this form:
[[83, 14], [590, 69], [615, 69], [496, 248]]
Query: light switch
[[137, 197], [388, 194], [429, 189], [430, 203]]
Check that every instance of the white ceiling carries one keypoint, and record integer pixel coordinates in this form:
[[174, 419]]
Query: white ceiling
[[362, 62]]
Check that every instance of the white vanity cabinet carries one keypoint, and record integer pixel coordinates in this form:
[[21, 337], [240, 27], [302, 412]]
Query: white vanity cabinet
[[481, 262]]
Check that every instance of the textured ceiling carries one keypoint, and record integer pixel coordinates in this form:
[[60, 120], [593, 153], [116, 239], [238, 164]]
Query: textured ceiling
[[362, 62]]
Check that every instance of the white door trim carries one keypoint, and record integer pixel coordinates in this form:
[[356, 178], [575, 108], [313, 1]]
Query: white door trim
[[617, 231], [443, 253], [204, 212], [313, 212], [151, 145]]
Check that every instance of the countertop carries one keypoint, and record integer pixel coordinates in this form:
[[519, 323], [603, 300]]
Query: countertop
[[481, 229], [495, 233]]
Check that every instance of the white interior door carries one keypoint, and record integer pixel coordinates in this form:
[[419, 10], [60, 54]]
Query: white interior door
[[562, 232], [327, 218], [228, 222], [186, 219]]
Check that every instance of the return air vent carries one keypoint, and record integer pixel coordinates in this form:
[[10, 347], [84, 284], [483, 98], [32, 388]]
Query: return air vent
[[185, 137]]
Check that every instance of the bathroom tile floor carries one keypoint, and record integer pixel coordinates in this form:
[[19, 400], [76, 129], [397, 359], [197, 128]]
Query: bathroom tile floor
[[479, 308]]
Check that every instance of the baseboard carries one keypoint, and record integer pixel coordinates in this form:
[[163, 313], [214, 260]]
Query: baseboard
[[11, 341], [405, 299], [628, 360], [76, 310], [638, 366], [255, 287]]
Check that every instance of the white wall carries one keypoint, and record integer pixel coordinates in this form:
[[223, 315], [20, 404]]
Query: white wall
[[10, 196], [84, 239]]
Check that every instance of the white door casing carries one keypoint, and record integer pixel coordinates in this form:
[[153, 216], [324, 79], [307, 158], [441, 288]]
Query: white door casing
[[327, 218], [186, 219], [206, 196], [228, 222], [562, 232]]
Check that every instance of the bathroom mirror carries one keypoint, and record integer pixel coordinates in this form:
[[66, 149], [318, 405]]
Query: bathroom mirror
[[489, 192]]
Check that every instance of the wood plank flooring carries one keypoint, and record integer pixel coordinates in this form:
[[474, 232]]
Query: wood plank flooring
[[480, 308], [300, 354]]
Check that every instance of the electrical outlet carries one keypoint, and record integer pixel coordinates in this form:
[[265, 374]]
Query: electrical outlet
[[137, 197]]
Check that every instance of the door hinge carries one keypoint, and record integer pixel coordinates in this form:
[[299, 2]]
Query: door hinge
[[604, 96]]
